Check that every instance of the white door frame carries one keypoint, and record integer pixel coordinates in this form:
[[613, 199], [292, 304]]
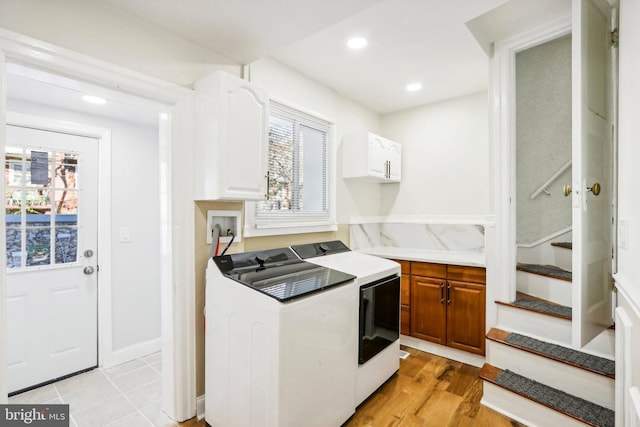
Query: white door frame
[[105, 341], [503, 141], [176, 208]]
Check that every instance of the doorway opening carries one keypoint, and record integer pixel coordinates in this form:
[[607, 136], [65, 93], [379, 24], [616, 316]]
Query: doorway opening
[[543, 167], [127, 192]]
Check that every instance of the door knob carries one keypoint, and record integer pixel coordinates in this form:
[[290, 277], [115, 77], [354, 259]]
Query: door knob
[[88, 270], [595, 189], [566, 190]]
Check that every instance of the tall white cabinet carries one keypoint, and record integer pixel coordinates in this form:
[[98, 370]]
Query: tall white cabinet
[[232, 138], [372, 157]]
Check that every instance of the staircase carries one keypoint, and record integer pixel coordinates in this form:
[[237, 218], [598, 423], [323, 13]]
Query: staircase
[[532, 374]]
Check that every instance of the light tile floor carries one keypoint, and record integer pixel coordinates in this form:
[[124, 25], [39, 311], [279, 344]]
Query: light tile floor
[[126, 395]]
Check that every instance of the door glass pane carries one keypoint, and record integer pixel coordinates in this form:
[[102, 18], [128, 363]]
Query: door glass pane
[[66, 204], [38, 165], [41, 201], [66, 244], [38, 245], [13, 167], [14, 247]]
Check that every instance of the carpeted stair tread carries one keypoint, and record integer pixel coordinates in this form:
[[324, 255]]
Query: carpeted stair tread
[[570, 356], [546, 270], [544, 307], [568, 404], [565, 245]]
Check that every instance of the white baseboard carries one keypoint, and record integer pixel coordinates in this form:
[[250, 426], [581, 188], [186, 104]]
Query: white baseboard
[[132, 352], [443, 351], [200, 407]]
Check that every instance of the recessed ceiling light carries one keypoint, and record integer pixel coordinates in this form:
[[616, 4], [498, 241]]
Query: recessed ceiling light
[[93, 99], [357, 42], [413, 87]]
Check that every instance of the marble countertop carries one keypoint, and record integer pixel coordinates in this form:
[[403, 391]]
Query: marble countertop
[[471, 259]]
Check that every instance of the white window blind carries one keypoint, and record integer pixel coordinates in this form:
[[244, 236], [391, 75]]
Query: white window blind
[[299, 183]]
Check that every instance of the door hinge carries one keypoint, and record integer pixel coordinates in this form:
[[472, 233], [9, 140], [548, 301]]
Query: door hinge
[[615, 37]]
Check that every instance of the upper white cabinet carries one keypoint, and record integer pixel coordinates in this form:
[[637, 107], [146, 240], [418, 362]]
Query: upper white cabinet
[[232, 124], [372, 158]]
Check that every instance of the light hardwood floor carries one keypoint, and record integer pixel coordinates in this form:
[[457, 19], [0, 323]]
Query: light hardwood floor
[[428, 391]]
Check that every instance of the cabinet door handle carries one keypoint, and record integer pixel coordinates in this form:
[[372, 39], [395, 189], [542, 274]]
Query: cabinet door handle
[[448, 294], [441, 292], [389, 170]]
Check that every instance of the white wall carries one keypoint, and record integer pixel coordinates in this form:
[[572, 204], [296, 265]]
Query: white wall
[[290, 87], [543, 138], [445, 158], [629, 148], [629, 176], [135, 286]]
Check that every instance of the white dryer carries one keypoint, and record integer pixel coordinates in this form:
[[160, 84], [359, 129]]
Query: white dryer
[[378, 296]]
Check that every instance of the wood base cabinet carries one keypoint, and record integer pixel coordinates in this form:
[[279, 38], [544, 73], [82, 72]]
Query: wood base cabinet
[[448, 305], [429, 309], [466, 316], [405, 297]]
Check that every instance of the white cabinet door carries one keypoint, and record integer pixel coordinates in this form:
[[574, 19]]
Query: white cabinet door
[[394, 156], [377, 157], [372, 158], [232, 135]]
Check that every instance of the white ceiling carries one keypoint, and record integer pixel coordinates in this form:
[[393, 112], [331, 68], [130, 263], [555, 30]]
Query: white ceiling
[[409, 41], [40, 87], [442, 44]]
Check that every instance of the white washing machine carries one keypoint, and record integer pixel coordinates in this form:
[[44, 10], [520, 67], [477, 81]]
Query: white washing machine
[[378, 296], [280, 342]]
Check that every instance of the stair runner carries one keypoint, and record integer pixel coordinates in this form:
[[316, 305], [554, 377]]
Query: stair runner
[[568, 404], [565, 245], [546, 270], [576, 358], [544, 307]]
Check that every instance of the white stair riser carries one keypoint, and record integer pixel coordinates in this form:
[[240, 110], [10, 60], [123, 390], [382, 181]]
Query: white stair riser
[[577, 382], [562, 258], [555, 290], [524, 410], [545, 254], [603, 345], [536, 325]]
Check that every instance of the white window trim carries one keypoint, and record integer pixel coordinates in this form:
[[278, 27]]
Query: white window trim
[[275, 226]]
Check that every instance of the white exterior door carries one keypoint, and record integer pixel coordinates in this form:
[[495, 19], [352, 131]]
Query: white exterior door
[[592, 159], [51, 221]]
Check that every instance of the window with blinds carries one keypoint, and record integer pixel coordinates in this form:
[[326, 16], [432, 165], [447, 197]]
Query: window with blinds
[[298, 174]]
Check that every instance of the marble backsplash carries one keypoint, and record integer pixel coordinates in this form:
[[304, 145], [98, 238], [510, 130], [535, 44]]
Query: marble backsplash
[[429, 237]]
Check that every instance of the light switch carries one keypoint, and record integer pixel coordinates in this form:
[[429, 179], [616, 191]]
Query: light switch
[[623, 227], [125, 235]]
